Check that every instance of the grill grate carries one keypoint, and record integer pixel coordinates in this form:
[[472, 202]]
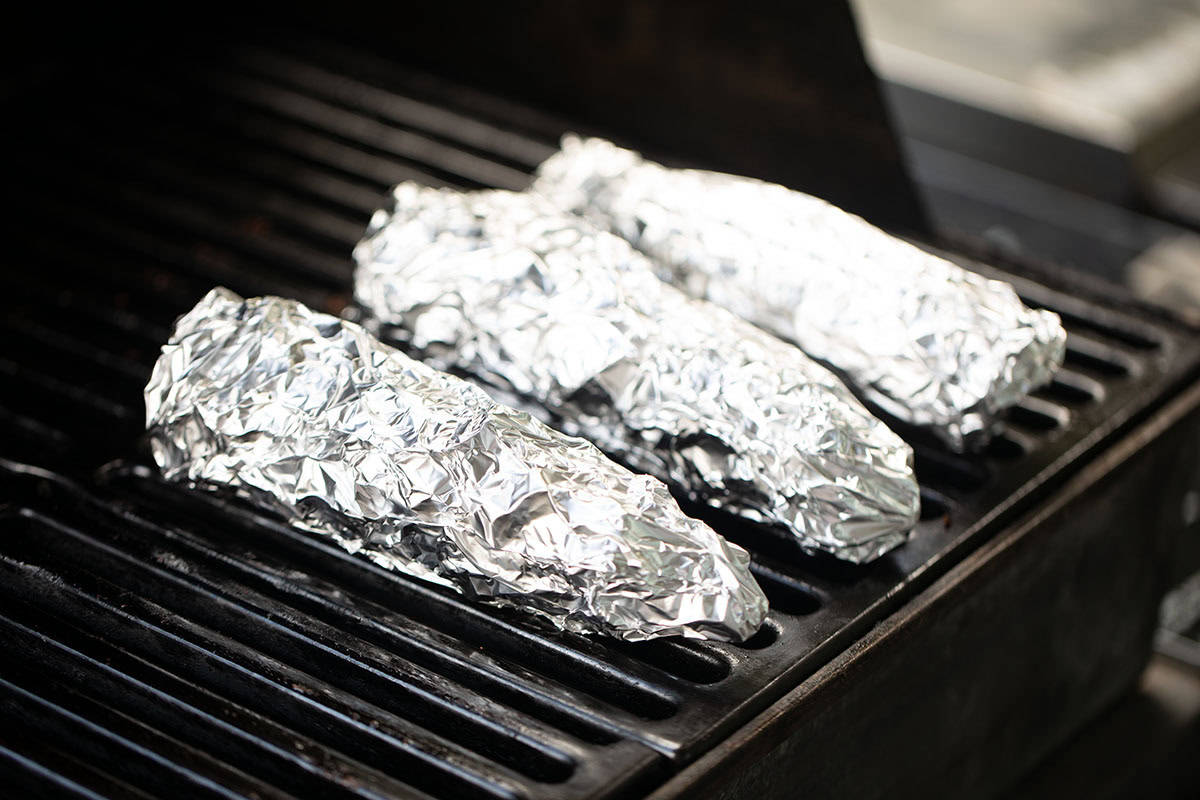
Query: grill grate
[[161, 638]]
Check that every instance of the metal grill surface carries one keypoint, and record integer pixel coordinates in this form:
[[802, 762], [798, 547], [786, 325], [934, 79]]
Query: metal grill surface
[[158, 639]]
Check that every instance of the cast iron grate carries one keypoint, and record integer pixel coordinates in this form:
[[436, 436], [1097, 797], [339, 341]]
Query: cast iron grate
[[161, 638]]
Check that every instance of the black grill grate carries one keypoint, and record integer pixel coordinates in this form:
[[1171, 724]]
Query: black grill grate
[[159, 638]]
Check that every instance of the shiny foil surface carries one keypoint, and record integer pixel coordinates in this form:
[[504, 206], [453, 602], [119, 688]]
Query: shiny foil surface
[[536, 303], [921, 338], [421, 472]]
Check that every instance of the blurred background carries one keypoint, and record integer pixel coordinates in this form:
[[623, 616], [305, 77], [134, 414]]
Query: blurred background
[[1029, 122], [1069, 130]]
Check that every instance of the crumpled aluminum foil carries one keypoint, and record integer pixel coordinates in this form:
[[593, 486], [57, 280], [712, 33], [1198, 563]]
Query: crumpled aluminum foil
[[922, 339], [536, 303], [420, 471]]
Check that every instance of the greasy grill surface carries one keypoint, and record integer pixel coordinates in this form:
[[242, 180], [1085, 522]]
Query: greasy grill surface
[[159, 639]]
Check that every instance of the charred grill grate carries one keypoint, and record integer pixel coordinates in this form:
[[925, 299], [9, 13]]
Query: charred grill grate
[[159, 639]]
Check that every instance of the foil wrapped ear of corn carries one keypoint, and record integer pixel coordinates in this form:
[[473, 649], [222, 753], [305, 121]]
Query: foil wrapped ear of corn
[[311, 416], [535, 303], [924, 340]]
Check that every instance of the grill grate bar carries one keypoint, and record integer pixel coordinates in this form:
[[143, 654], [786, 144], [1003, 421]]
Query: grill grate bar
[[1073, 387], [615, 679], [537, 126], [350, 614], [187, 589], [26, 777], [41, 718], [215, 141], [137, 334], [198, 223], [164, 744], [1085, 317], [1034, 413], [44, 344], [483, 137], [366, 132], [217, 266], [61, 397], [238, 736], [1095, 357], [288, 696], [250, 125], [126, 278], [331, 231]]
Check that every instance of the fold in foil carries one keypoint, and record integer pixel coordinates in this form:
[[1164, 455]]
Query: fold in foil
[[420, 471], [922, 339], [534, 302]]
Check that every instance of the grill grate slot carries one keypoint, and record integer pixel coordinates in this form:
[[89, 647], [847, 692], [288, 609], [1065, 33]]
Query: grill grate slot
[[168, 746], [274, 631], [447, 162], [491, 141], [152, 695], [940, 468], [59, 399], [785, 593], [1008, 445], [334, 606], [1039, 415], [228, 118], [690, 661], [1081, 316], [48, 722], [59, 776], [934, 505], [1098, 358], [442, 612], [338, 720], [1072, 388]]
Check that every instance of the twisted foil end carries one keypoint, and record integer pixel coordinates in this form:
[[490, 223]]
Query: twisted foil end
[[421, 472], [924, 340]]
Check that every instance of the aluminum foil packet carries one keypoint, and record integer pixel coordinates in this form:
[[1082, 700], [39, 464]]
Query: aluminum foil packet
[[922, 339], [421, 472], [536, 303]]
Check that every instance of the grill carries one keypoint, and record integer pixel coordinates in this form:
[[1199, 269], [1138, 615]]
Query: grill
[[160, 640]]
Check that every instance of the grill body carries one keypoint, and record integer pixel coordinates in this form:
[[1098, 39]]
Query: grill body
[[162, 638], [970, 685]]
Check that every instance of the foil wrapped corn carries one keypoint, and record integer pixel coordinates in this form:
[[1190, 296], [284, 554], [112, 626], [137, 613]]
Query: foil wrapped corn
[[535, 303], [920, 338], [420, 471]]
